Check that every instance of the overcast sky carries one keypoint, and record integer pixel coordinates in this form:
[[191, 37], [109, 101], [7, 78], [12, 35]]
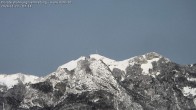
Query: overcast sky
[[39, 39]]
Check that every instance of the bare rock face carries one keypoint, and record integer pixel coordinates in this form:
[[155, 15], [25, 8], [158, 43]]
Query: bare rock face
[[146, 82]]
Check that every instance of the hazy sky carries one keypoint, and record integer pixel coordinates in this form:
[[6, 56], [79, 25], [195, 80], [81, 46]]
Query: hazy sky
[[39, 39]]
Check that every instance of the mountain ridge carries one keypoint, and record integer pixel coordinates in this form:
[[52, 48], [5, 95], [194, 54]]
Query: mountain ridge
[[148, 81]]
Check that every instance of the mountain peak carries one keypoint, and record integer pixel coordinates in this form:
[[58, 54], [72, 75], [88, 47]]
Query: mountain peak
[[72, 64], [153, 54], [100, 57], [110, 62]]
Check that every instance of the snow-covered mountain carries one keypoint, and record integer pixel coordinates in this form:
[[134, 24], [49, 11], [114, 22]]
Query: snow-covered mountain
[[145, 82], [10, 80]]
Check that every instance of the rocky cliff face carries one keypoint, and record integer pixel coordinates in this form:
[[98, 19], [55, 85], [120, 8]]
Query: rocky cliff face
[[146, 82]]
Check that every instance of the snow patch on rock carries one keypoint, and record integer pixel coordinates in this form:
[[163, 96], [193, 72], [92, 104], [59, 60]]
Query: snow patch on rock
[[191, 79], [13, 79], [147, 66], [122, 65], [189, 91]]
